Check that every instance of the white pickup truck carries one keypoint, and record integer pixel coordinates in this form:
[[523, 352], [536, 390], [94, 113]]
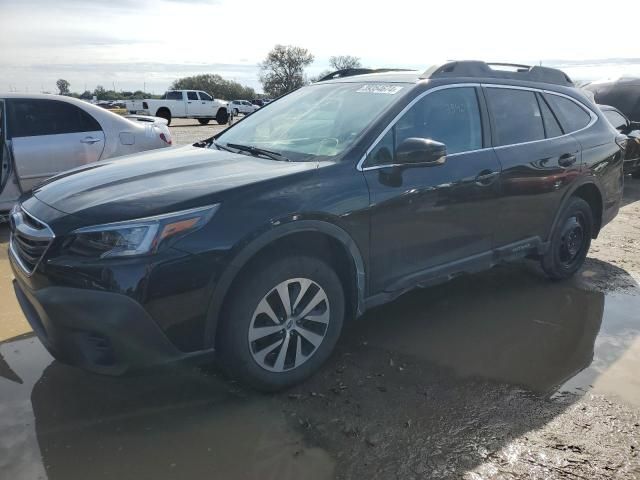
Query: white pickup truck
[[182, 104]]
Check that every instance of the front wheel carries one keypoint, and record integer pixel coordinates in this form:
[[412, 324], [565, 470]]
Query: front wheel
[[570, 240], [282, 322]]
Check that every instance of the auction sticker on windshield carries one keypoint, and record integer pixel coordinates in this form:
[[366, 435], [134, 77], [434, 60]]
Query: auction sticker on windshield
[[378, 88]]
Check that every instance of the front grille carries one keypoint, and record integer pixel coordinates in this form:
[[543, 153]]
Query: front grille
[[30, 239]]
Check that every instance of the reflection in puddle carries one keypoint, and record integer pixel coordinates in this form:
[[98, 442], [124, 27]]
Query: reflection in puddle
[[517, 328], [176, 425], [511, 326]]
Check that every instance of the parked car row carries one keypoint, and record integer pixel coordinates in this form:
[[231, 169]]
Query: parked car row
[[42, 135], [255, 246]]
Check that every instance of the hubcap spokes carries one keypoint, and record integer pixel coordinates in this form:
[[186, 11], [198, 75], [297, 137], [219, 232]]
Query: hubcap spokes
[[289, 324]]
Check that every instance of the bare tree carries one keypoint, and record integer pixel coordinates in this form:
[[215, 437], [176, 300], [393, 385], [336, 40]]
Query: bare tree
[[63, 86], [342, 62], [283, 69]]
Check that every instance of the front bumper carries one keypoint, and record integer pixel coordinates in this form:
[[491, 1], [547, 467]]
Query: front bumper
[[102, 332]]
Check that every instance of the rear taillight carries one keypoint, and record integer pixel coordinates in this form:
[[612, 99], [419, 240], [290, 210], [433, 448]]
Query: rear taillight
[[164, 138], [621, 140]]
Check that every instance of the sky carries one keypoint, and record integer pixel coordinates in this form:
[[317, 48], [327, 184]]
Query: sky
[[133, 44]]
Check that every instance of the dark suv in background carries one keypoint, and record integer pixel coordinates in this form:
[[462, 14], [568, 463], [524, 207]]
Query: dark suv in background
[[260, 242]]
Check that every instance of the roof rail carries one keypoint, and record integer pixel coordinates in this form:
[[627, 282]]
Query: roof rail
[[350, 72], [514, 71]]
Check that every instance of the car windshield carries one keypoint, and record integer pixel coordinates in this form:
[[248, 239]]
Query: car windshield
[[320, 120]]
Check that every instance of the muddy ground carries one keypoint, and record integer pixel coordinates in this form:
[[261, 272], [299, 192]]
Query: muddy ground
[[498, 375]]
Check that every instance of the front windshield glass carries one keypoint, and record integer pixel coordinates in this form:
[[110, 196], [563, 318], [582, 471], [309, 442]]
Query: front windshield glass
[[320, 120]]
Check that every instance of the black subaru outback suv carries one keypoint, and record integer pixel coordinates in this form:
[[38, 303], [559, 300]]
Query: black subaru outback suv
[[258, 244]]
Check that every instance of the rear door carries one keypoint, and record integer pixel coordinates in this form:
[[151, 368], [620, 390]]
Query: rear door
[[538, 161], [50, 136]]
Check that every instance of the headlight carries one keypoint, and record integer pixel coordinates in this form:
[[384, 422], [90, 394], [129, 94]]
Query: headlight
[[137, 237]]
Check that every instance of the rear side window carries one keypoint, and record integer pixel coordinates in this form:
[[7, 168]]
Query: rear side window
[[551, 125], [192, 96], [30, 118], [571, 116], [516, 115], [173, 96]]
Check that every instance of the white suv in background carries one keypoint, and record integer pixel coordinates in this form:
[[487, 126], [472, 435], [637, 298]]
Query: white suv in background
[[42, 135], [242, 106]]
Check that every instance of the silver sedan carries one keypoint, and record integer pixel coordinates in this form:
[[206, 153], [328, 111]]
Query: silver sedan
[[42, 135]]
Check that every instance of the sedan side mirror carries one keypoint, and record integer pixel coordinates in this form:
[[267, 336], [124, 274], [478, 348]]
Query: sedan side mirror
[[421, 151]]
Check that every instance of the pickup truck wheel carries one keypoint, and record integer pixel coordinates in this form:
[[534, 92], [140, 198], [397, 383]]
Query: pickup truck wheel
[[282, 323], [203, 121], [222, 117], [570, 241], [164, 113]]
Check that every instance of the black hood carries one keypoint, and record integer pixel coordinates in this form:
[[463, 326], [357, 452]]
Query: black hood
[[157, 182]]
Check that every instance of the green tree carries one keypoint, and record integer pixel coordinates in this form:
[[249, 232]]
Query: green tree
[[216, 86], [283, 69], [100, 93], [63, 86], [342, 62]]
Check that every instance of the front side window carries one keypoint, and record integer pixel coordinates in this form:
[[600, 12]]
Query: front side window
[[450, 116], [572, 117], [205, 97], [321, 120], [516, 116], [35, 117]]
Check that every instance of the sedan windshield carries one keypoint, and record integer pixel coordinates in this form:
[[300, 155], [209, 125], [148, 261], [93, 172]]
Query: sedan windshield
[[320, 120]]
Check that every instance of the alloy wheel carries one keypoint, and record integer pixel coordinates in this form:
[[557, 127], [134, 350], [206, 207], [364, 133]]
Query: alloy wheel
[[289, 325]]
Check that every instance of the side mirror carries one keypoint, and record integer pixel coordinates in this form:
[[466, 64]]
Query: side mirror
[[421, 151]]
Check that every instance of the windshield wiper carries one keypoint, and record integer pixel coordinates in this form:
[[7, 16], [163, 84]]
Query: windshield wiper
[[259, 151], [219, 146]]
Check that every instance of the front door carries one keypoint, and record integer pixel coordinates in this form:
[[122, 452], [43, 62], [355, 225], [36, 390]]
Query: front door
[[50, 136], [425, 217]]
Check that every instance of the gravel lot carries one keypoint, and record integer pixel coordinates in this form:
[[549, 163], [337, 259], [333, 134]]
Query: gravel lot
[[186, 132], [493, 376]]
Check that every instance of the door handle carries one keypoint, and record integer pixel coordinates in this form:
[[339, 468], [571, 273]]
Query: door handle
[[567, 160], [486, 177], [90, 140], [188, 102]]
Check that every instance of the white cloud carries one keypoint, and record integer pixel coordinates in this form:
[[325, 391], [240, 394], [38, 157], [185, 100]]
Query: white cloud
[[90, 42]]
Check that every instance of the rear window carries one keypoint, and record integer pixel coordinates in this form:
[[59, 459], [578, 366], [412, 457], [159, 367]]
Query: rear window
[[617, 120], [173, 96], [571, 116], [516, 115], [36, 117]]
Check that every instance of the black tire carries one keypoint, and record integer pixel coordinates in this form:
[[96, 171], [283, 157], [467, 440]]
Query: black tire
[[222, 117], [204, 121], [236, 112], [236, 354], [164, 113], [570, 240]]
